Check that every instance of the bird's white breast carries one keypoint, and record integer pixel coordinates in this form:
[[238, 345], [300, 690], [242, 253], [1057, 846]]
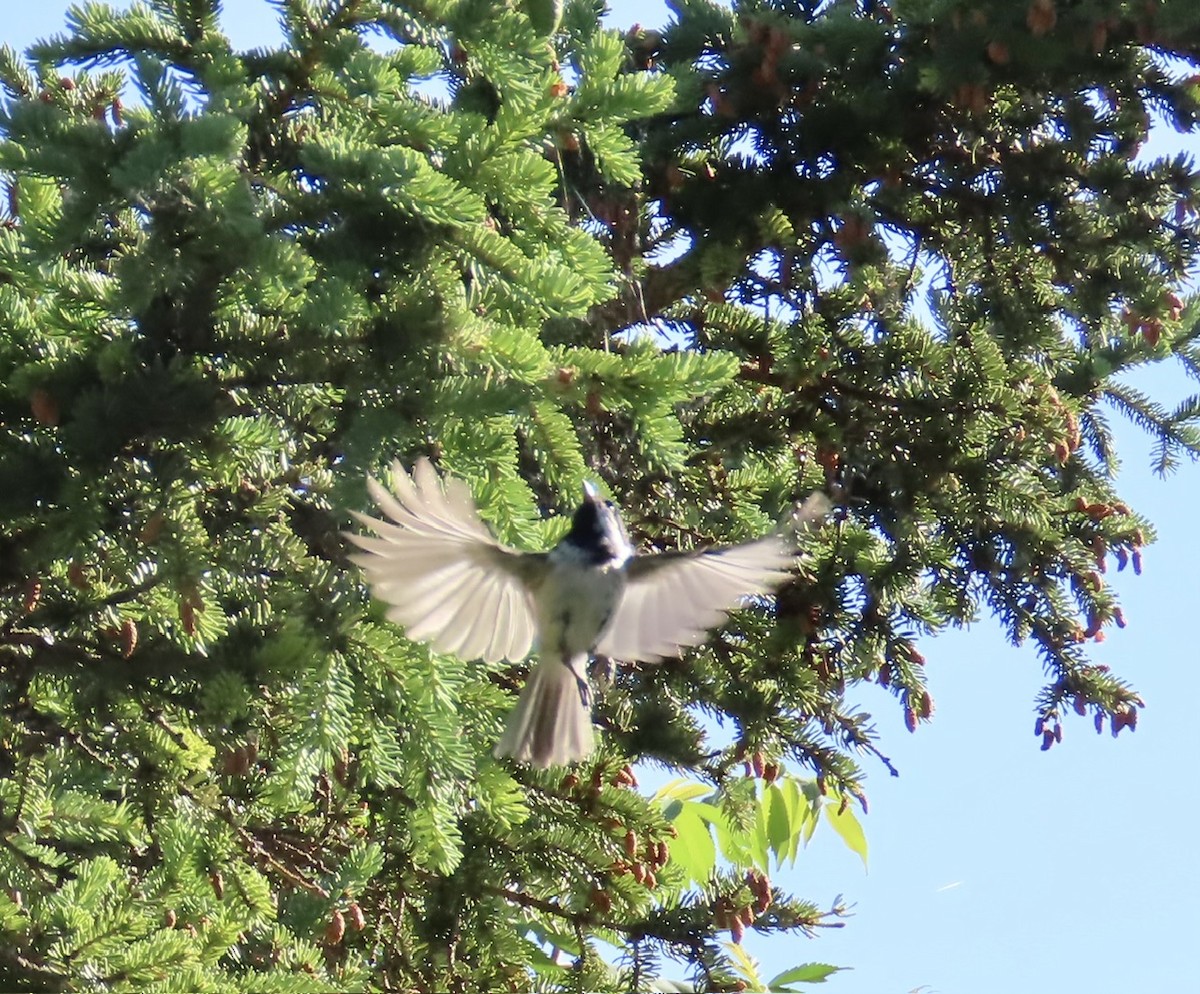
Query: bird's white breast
[[575, 602]]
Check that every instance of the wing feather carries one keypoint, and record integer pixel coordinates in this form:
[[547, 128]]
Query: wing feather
[[478, 635], [443, 575], [671, 600], [513, 624]]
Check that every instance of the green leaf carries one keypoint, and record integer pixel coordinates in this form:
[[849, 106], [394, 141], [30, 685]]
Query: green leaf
[[801, 816], [734, 843], [693, 851], [682, 790], [780, 829], [847, 826], [759, 841], [808, 973], [744, 965]]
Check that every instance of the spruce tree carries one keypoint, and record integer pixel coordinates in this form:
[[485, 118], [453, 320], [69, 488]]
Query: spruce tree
[[900, 254]]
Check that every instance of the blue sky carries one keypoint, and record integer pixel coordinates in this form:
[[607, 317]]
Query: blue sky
[[995, 867]]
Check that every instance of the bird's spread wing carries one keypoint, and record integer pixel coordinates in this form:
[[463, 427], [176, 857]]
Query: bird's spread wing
[[672, 599], [448, 581]]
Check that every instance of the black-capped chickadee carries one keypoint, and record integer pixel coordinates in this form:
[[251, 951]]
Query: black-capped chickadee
[[451, 584]]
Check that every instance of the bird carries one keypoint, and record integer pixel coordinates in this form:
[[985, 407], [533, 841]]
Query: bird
[[451, 584]]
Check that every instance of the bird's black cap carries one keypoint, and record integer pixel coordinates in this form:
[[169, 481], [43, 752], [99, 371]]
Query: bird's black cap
[[592, 527]]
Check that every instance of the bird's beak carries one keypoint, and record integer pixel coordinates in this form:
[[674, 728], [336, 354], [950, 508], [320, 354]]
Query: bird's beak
[[590, 493]]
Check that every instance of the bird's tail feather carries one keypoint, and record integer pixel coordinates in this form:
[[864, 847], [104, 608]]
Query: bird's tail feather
[[552, 722]]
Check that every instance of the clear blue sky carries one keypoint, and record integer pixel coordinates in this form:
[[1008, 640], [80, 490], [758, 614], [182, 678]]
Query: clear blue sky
[[996, 867]]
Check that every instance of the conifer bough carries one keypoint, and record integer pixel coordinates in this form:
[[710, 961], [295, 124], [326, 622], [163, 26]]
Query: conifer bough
[[905, 255]]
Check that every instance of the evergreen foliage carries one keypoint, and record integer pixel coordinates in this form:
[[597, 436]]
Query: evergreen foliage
[[904, 254]]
